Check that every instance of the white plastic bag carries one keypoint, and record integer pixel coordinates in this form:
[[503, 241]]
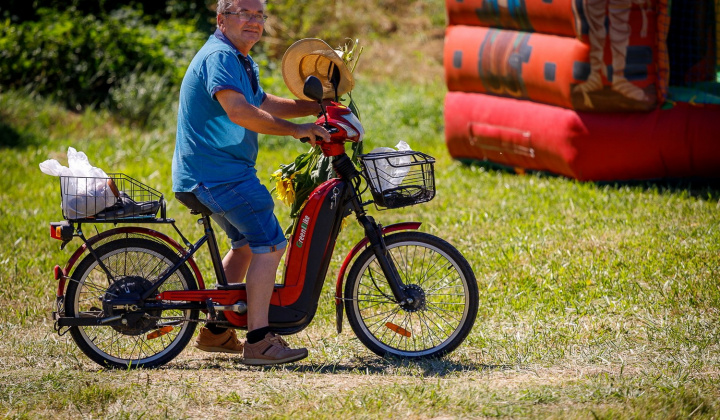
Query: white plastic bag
[[391, 171], [85, 190]]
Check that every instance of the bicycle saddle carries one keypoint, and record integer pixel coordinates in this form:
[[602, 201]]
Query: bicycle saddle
[[191, 201]]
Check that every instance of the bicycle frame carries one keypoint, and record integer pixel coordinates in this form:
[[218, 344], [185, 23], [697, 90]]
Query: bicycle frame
[[294, 302]]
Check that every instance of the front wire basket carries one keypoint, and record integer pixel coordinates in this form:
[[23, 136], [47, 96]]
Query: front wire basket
[[115, 198], [399, 179]]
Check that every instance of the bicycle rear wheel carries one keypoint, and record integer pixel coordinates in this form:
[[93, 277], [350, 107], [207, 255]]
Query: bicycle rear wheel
[[149, 338], [444, 292]]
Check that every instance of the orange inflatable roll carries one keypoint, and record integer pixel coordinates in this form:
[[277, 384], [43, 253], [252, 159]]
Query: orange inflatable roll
[[680, 142], [548, 69], [550, 17]]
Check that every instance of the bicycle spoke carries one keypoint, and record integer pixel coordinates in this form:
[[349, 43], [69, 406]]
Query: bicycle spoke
[[448, 311], [126, 260], [430, 329], [444, 320]]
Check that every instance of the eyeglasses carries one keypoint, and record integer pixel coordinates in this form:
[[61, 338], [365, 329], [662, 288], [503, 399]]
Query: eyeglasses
[[248, 16]]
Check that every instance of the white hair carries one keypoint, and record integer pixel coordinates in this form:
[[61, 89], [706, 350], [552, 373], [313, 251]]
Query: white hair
[[225, 5]]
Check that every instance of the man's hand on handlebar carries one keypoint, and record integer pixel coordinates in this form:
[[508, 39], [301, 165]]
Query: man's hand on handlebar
[[311, 133]]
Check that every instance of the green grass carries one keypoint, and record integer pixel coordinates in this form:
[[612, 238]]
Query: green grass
[[596, 300]]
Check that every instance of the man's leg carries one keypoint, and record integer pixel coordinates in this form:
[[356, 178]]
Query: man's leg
[[236, 263], [258, 244], [262, 346], [260, 283], [220, 339]]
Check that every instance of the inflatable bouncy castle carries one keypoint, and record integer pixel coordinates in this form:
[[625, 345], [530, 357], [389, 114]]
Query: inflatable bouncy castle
[[597, 90]]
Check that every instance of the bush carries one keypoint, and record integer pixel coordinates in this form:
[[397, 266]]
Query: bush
[[144, 98], [129, 57], [79, 59], [155, 10]]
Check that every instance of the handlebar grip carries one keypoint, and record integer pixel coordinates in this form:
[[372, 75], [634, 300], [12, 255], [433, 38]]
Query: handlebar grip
[[307, 139]]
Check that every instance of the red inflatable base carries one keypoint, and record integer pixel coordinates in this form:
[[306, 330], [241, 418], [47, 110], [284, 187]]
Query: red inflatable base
[[676, 143]]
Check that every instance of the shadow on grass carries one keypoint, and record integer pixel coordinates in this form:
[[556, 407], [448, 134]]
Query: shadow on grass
[[437, 367], [362, 366], [10, 138], [697, 187], [701, 188]]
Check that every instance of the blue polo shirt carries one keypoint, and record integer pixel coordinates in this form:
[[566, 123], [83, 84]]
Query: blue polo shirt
[[209, 148]]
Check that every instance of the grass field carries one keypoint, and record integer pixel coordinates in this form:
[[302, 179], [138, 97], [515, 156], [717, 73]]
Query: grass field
[[596, 301]]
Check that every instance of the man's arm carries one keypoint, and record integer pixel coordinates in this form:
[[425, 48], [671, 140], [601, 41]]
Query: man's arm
[[289, 108], [261, 121]]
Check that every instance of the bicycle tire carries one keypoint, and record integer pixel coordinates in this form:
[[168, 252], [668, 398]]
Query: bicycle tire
[[134, 263], [434, 270]]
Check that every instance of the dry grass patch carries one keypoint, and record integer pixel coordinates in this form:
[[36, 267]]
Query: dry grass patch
[[47, 377]]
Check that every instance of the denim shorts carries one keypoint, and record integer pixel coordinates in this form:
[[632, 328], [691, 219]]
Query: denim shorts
[[244, 210]]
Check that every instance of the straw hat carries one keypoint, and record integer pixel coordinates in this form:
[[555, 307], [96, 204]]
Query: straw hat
[[314, 57]]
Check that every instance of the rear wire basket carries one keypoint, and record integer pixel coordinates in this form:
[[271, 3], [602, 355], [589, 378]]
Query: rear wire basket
[[399, 179], [115, 198]]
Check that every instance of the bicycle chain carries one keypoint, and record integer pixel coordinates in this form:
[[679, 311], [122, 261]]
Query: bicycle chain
[[208, 321], [61, 306], [184, 319], [211, 321]]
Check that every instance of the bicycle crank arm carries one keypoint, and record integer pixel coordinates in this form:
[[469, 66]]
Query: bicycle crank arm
[[239, 307]]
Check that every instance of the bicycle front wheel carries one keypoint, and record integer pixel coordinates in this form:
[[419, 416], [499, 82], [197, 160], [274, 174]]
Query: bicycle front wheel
[[146, 338], [444, 292]]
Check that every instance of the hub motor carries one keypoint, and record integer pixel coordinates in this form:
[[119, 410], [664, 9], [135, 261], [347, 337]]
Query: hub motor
[[129, 289]]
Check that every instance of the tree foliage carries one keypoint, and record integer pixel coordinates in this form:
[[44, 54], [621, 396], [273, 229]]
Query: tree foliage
[[129, 55], [82, 59], [155, 10]]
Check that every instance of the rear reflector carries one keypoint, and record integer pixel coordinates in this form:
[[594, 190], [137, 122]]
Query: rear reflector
[[56, 232], [62, 231]]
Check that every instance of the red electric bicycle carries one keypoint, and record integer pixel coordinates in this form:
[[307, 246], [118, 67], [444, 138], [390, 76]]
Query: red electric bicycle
[[132, 296]]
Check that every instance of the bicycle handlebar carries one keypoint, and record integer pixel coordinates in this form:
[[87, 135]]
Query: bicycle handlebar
[[307, 139]]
